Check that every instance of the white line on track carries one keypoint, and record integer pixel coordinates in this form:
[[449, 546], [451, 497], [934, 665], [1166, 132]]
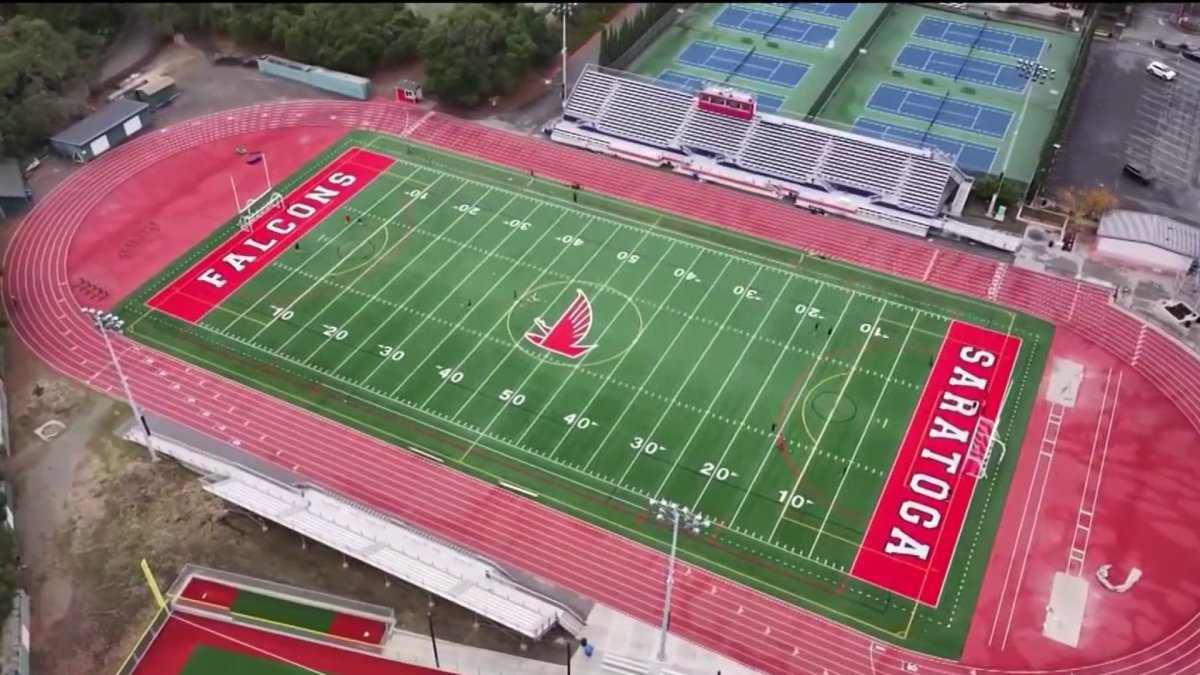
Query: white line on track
[[825, 427], [862, 437]]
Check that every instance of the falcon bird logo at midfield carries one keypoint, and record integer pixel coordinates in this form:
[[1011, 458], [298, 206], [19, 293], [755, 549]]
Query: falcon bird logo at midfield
[[572, 327]]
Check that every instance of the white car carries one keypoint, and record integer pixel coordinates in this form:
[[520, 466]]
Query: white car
[[1161, 71]]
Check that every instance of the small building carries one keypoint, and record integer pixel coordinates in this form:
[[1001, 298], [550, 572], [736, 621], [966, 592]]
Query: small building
[[1148, 240], [15, 194], [157, 91], [408, 91], [94, 135]]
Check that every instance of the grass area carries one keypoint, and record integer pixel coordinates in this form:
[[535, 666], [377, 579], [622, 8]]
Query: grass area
[[877, 66], [822, 61], [411, 324]]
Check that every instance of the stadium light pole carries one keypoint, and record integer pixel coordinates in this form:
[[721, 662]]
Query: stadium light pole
[[105, 323], [1034, 74], [564, 10], [679, 517]]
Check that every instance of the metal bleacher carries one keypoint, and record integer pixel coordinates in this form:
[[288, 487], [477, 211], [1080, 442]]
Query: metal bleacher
[[893, 176]]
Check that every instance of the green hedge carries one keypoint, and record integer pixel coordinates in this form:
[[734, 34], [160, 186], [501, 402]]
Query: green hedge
[[847, 64], [620, 46]]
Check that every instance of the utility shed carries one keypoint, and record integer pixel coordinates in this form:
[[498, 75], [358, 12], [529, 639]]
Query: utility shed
[[158, 91], [94, 135], [14, 192], [1149, 240]]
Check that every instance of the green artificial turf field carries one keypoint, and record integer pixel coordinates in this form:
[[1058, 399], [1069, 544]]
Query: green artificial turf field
[[206, 660], [405, 312]]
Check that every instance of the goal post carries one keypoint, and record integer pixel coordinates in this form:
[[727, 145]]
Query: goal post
[[251, 214]]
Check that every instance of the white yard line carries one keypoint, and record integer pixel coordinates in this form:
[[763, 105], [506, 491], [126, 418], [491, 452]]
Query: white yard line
[[662, 357], [863, 436], [428, 278], [608, 326], [467, 314], [609, 377], [283, 281], [691, 373], [778, 359], [537, 366], [343, 323], [717, 396], [795, 402], [825, 427]]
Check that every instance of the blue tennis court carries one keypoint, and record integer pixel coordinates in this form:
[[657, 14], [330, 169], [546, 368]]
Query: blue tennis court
[[971, 69], [775, 26], [949, 112], [743, 64], [984, 38], [971, 158], [839, 11], [682, 82]]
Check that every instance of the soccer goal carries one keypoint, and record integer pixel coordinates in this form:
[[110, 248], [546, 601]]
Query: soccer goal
[[254, 207], [251, 213]]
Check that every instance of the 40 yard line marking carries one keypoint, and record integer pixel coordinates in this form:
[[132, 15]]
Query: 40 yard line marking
[[662, 357], [724, 383], [750, 409], [863, 436], [825, 427]]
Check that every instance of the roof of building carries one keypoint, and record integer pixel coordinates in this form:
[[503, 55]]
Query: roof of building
[[1149, 228], [155, 84], [98, 123], [12, 181]]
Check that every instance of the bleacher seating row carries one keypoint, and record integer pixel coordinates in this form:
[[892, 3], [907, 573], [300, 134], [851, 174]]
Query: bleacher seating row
[[915, 180]]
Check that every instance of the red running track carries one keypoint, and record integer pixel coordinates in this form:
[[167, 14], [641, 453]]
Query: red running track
[[746, 625]]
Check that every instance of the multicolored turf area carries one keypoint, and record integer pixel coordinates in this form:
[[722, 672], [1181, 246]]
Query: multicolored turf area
[[833, 423]]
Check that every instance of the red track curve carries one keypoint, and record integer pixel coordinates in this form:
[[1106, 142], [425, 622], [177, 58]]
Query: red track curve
[[755, 629]]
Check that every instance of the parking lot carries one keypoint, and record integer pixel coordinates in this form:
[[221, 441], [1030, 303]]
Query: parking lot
[[1123, 113]]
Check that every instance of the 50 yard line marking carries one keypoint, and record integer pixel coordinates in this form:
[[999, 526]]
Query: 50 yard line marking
[[715, 397], [695, 366], [757, 396], [825, 427], [662, 357], [866, 430], [276, 287]]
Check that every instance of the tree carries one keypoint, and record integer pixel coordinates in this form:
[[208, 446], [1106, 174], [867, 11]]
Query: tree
[[1011, 191], [1087, 204], [477, 51]]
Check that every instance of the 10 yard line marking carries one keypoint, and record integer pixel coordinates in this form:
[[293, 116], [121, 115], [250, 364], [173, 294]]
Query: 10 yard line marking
[[715, 397], [276, 287], [825, 427], [570, 375], [608, 378], [795, 402], [757, 396], [662, 357], [695, 366], [342, 324], [863, 436]]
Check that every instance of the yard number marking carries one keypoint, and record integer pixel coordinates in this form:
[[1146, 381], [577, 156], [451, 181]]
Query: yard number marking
[[517, 223], [467, 209], [810, 312], [718, 472], [418, 194], [391, 353], [282, 313], [797, 501], [335, 332], [869, 328], [686, 275], [579, 421], [450, 374], [748, 293], [571, 240], [647, 446], [512, 397], [626, 256]]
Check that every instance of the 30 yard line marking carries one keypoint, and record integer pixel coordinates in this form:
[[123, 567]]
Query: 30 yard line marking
[[608, 378], [343, 323], [661, 358], [757, 396], [825, 427], [276, 287], [688, 378], [516, 346], [724, 383], [862, 437], [428, 279], [771, 447], [570, 375]]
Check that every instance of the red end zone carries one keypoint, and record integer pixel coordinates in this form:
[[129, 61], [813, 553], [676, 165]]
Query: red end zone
[[209, 282], [910, 541]]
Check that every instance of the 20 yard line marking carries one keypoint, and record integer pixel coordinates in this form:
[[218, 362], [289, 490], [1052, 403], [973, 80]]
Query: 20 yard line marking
[[757, 396], [608, 378], [825, 427], [277, 286], [662, 357], [695, 366], [724, 383], [863, 436]]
